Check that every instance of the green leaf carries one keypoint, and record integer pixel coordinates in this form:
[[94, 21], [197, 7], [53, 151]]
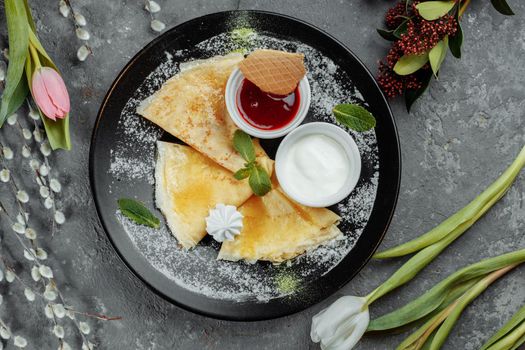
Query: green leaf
[[428, 343], [42, 54], [412, 95], [242, 174], [514, 322], [242, 142], [354, 117], [409, 64], [455, 42], [259, 181], [137, 212], [18, 50], [29, 16], [445, 329], [401, 29], [387, 34], [455, 292], [18, 97], [464, 218], [57, 132], [432, 10], [413, 342], [437, 54], [395, 34], [519, 343], [502, 7], [431, 299]]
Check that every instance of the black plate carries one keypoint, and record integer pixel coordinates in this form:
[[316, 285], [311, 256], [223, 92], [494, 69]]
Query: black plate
[[109, 133]]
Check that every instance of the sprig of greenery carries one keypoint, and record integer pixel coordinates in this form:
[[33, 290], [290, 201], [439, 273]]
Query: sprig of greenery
[[258, 178], [415, 65], [354, 117], [137, 212]]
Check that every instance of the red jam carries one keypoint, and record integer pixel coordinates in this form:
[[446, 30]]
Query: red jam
[[266, 111]]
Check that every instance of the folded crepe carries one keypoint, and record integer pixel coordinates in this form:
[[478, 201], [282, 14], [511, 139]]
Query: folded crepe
[[188, 185], [191, 107], [275, 228]]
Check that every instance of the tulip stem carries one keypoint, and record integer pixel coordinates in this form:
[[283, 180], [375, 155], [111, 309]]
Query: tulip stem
[[34, 55]]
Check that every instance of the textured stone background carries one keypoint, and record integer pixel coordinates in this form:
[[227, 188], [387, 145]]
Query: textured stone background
[[460, 136]]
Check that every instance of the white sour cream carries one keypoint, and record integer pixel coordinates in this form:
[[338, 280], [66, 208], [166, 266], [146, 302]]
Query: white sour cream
[[315, 167]]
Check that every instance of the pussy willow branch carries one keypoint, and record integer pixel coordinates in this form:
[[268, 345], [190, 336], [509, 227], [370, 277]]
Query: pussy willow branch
[[85, 43], [45, 301], [53, 282], [37, 171], [33, 243], [94, 315]]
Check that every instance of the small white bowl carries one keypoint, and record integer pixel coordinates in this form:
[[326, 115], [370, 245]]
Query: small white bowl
[[342, 138], [231, 96]]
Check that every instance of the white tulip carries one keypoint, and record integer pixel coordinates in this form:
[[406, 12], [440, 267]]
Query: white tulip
[[342, 324]]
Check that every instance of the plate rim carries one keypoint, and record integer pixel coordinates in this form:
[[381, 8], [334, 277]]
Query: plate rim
[[91, 161]]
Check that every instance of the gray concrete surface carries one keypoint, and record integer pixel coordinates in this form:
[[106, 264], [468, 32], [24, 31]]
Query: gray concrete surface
[[460, 136]]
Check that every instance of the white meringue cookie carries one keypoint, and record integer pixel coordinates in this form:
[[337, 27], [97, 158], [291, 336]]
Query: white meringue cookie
[[224, 222]]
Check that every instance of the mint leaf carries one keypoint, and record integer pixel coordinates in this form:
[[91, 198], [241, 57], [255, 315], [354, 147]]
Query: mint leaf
[[137, 212], [259, 181], [242, 173], [354, 116], [242, 142]]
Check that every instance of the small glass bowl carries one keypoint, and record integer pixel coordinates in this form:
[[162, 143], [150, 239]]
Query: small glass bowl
[[337, 134], [232, 91]]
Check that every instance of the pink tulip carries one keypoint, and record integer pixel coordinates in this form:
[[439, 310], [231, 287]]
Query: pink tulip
[[50, 93]]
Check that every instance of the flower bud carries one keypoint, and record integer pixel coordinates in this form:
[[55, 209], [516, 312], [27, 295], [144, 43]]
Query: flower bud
[[342, 324], [50, 93]]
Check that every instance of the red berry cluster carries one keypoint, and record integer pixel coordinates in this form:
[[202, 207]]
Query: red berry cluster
[[394, 85], [421, 35], [393, 17]]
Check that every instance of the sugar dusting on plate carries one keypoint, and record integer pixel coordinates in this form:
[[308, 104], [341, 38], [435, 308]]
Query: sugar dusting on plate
[[198, 270]]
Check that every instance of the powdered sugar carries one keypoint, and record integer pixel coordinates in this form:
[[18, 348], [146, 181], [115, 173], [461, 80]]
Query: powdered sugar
[[198, 270]]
